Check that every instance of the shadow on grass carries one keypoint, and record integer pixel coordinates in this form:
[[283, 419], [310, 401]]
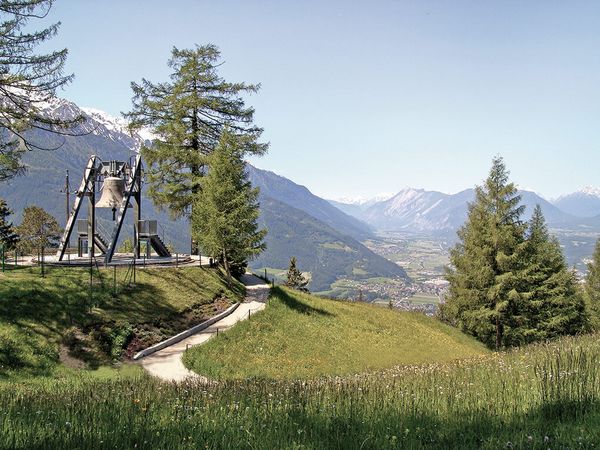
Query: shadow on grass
[[297, 305], [35, 309]]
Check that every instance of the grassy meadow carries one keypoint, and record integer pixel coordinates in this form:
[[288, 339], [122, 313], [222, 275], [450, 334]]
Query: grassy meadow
[[299, 336], [305, 373], [44, 321], [543, 396]]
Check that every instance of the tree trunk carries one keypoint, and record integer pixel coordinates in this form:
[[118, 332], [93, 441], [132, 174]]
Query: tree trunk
[[227, 271]]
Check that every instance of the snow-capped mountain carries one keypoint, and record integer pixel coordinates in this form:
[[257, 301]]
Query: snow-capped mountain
[[98, 123], [418, 210], [364, 201], [583, 203]]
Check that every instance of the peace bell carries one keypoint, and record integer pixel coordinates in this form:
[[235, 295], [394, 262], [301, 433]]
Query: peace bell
[[113, 189]]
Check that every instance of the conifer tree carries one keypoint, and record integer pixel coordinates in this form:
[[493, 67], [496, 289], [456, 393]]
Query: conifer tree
[[226, 210], [38, 229], [27, 81], [8, 236], [554, 304], [188, 115], [294, 278], [592, 287], [484, 298]]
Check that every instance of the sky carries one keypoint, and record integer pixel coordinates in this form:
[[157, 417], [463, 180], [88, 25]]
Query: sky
[[359, 98]]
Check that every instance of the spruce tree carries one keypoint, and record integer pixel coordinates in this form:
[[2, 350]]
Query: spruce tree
[[592, 287], [28, 81], [188, 115], [294, 278], [226, 210], [484, 298], [8, 236], [554, 304]]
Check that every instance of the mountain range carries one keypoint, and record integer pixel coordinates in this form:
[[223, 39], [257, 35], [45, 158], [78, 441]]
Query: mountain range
[[419, 210], [325, 236], [324, 239]]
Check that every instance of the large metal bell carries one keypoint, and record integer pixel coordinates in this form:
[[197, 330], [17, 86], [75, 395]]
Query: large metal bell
[[113, 189]]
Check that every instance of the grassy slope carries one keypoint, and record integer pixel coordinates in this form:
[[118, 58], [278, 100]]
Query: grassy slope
[[300, 335], [520, 399], [35, 312]]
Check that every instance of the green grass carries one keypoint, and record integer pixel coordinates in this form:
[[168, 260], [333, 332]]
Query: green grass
[[300, 336], [424, 299], [539, 397], [37, 314]]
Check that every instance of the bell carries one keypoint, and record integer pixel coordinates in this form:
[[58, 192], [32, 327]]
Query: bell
[[113, 189]]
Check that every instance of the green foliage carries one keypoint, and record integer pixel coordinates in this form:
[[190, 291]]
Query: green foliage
[[8, 236], [592, 287], [126, 246], [300, 335], [294, 278], [225, 212], [509, 283], [28, 81], [37, 230], [188, 115], [554, 305]]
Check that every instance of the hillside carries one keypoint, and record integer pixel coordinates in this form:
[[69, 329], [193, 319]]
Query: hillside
[[44, 319], [279, 188], [301, 336], [320, 250]]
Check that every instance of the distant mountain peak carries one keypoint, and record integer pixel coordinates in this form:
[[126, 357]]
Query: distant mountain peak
[[364, 200], [591, 191], [99, 122]]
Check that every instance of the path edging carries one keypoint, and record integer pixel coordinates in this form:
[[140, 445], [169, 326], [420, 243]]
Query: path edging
[[185, 334]]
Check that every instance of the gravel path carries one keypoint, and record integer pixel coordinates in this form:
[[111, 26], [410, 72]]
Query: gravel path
[[167, 363]]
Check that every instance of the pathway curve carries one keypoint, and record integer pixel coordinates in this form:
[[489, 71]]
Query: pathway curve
[[167, 363]]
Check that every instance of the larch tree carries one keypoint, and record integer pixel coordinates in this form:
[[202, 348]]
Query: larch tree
[[226, 210], [554, 305], [8, 235], [484, 298], [28, 81], [187, 116]]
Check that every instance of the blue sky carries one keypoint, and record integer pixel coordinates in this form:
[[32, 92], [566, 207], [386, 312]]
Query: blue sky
[[360, 98]]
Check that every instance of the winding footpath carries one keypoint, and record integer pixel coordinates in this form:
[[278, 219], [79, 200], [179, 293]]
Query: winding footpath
[[167, 363]]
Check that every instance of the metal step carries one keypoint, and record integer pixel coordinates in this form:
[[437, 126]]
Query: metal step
[[159, 246]]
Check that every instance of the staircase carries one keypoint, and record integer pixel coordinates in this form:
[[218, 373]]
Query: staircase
[[101, 242], [159, 246]]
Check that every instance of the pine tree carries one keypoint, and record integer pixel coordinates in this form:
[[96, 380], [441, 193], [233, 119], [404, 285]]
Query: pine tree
[[188, 115], [226, 211], [483, 298], [294, 278], [554, 304], [38, 230], [28, 80], [592, 287], [8, 236]]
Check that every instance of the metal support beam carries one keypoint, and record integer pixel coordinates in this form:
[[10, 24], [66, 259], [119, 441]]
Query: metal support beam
[[87, 183]]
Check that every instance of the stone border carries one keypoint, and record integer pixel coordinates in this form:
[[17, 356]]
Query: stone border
[[185, 334]]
